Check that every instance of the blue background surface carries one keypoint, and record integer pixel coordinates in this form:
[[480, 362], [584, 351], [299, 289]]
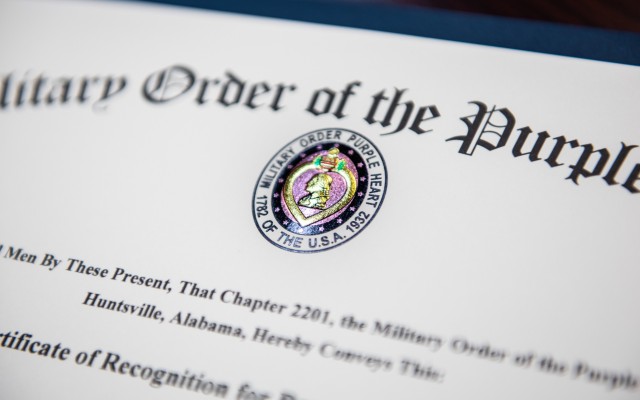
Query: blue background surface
[[542, 37]]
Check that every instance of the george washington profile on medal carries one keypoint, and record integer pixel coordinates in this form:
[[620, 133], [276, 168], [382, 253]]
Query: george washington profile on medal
[[320, 190]]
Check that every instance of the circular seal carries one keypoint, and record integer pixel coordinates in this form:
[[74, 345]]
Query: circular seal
[[319, 190]]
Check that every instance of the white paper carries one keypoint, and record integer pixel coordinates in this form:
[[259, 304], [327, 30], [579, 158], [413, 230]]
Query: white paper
[[510, 256]]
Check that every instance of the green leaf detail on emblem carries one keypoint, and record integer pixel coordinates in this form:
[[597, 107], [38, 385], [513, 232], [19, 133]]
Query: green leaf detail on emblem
[[340, 166], [316, 162]]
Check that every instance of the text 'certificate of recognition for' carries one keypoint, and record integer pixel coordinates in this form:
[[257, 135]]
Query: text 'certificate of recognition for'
[[198, 204]]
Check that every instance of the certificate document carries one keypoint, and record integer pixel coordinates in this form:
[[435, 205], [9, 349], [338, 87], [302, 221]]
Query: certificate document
[[203, 204]]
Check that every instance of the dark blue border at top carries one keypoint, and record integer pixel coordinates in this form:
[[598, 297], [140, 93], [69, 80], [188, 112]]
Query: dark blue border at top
[[541, 37]]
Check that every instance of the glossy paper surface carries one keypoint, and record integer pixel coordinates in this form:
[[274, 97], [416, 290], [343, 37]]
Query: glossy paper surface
[[137, 141]]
